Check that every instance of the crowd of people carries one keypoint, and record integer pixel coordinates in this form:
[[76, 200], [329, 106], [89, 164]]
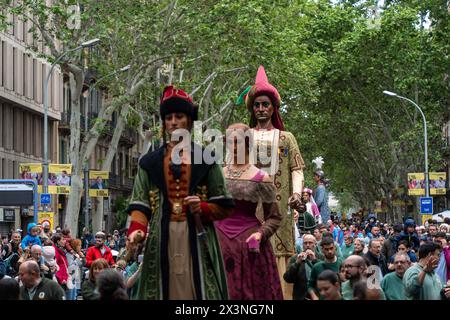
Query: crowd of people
[[52, 265], [372, 260]]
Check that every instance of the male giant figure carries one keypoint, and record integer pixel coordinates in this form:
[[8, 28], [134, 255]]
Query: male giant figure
[[278, 154]]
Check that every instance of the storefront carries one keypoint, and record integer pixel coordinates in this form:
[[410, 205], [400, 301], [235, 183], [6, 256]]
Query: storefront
[[9, 219]]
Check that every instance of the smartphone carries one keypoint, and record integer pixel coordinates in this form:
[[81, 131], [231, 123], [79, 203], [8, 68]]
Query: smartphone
[[140, 258], [253, 245]]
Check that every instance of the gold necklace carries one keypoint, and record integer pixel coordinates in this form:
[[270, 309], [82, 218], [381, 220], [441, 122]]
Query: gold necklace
[[232, 173]]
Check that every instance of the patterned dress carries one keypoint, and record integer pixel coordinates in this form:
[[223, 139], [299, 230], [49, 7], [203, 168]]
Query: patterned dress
[[285, 164]]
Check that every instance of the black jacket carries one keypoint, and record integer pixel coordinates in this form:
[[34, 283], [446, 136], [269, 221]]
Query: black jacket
[[296, 274], [46, 290], [374, 261]]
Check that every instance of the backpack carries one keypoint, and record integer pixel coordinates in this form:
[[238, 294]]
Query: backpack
[[10, 264]]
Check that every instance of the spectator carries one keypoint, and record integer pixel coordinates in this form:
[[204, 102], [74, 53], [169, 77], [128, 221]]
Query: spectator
[[87, 239], [88, 288], [67, 237], [46, 232], [409, 235], [110, 242], [31, 237], [444, 228], [420, 280], [432, 231], [2, 268], [49, 253], [36, 255], [403, 247], [37, 288], [355, 268], [374, 256], [329, 286], [99, 250], [443, 269], [111, 286], [331, 262], [388, 249], [78, 266], [61, 260], [74, 263], [358, 247], [392, 284], [319, 246], [9, 289], [299, 268], [347, 247]]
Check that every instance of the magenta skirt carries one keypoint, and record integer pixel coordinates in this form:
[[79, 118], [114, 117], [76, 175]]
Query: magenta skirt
[[250, 276]]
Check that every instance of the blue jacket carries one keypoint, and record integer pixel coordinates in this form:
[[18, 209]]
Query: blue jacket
[[412, 238], [29, 239], [321, 198]]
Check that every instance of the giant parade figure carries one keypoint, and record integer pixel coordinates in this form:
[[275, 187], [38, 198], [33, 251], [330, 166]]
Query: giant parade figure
[[276, 152], [177, 203]]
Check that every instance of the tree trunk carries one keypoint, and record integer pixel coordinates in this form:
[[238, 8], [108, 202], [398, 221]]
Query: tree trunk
[[73, 204]]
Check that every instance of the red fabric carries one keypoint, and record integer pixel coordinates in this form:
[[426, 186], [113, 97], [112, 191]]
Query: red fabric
[[67, 246], [61, 261], [94, 253], [136, 226], [205, 208], [170, 92]]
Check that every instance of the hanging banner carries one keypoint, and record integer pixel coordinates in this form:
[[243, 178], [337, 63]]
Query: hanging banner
[[438, 181], [378, 208], [32, 171], [59, 178], [398, 195], [98, 183], [425, 217], [416, 183], [45, 218]]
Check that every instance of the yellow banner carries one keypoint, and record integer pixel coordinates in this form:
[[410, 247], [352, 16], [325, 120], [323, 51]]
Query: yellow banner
[[59, 178], [98, 183], [46, 217], [31, 171], [95, 174], [98, 193], [437, 183], [59, 168], [425, 217], [416, 183]]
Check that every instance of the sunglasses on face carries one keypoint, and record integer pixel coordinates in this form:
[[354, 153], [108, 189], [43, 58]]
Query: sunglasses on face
[[265, 104]]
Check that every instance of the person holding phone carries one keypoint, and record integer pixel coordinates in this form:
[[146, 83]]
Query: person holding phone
[[420, 280], [248, 256]]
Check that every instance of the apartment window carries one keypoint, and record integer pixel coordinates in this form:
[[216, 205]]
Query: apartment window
[[62, 151], [35, 66], [14, 87], [24, 74], [2, 62]]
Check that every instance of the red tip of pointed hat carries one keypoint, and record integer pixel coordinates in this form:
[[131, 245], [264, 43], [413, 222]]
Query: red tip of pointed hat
[[261, 76]]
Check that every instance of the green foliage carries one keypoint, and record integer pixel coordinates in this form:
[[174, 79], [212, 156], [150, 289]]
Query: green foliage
[[120, 209]]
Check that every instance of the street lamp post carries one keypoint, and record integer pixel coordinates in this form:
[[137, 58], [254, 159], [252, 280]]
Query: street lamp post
[[86, 44], [425, 135], [86, 166]]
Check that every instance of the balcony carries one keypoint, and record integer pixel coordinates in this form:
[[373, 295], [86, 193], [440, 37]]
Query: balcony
[[120, 182]]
